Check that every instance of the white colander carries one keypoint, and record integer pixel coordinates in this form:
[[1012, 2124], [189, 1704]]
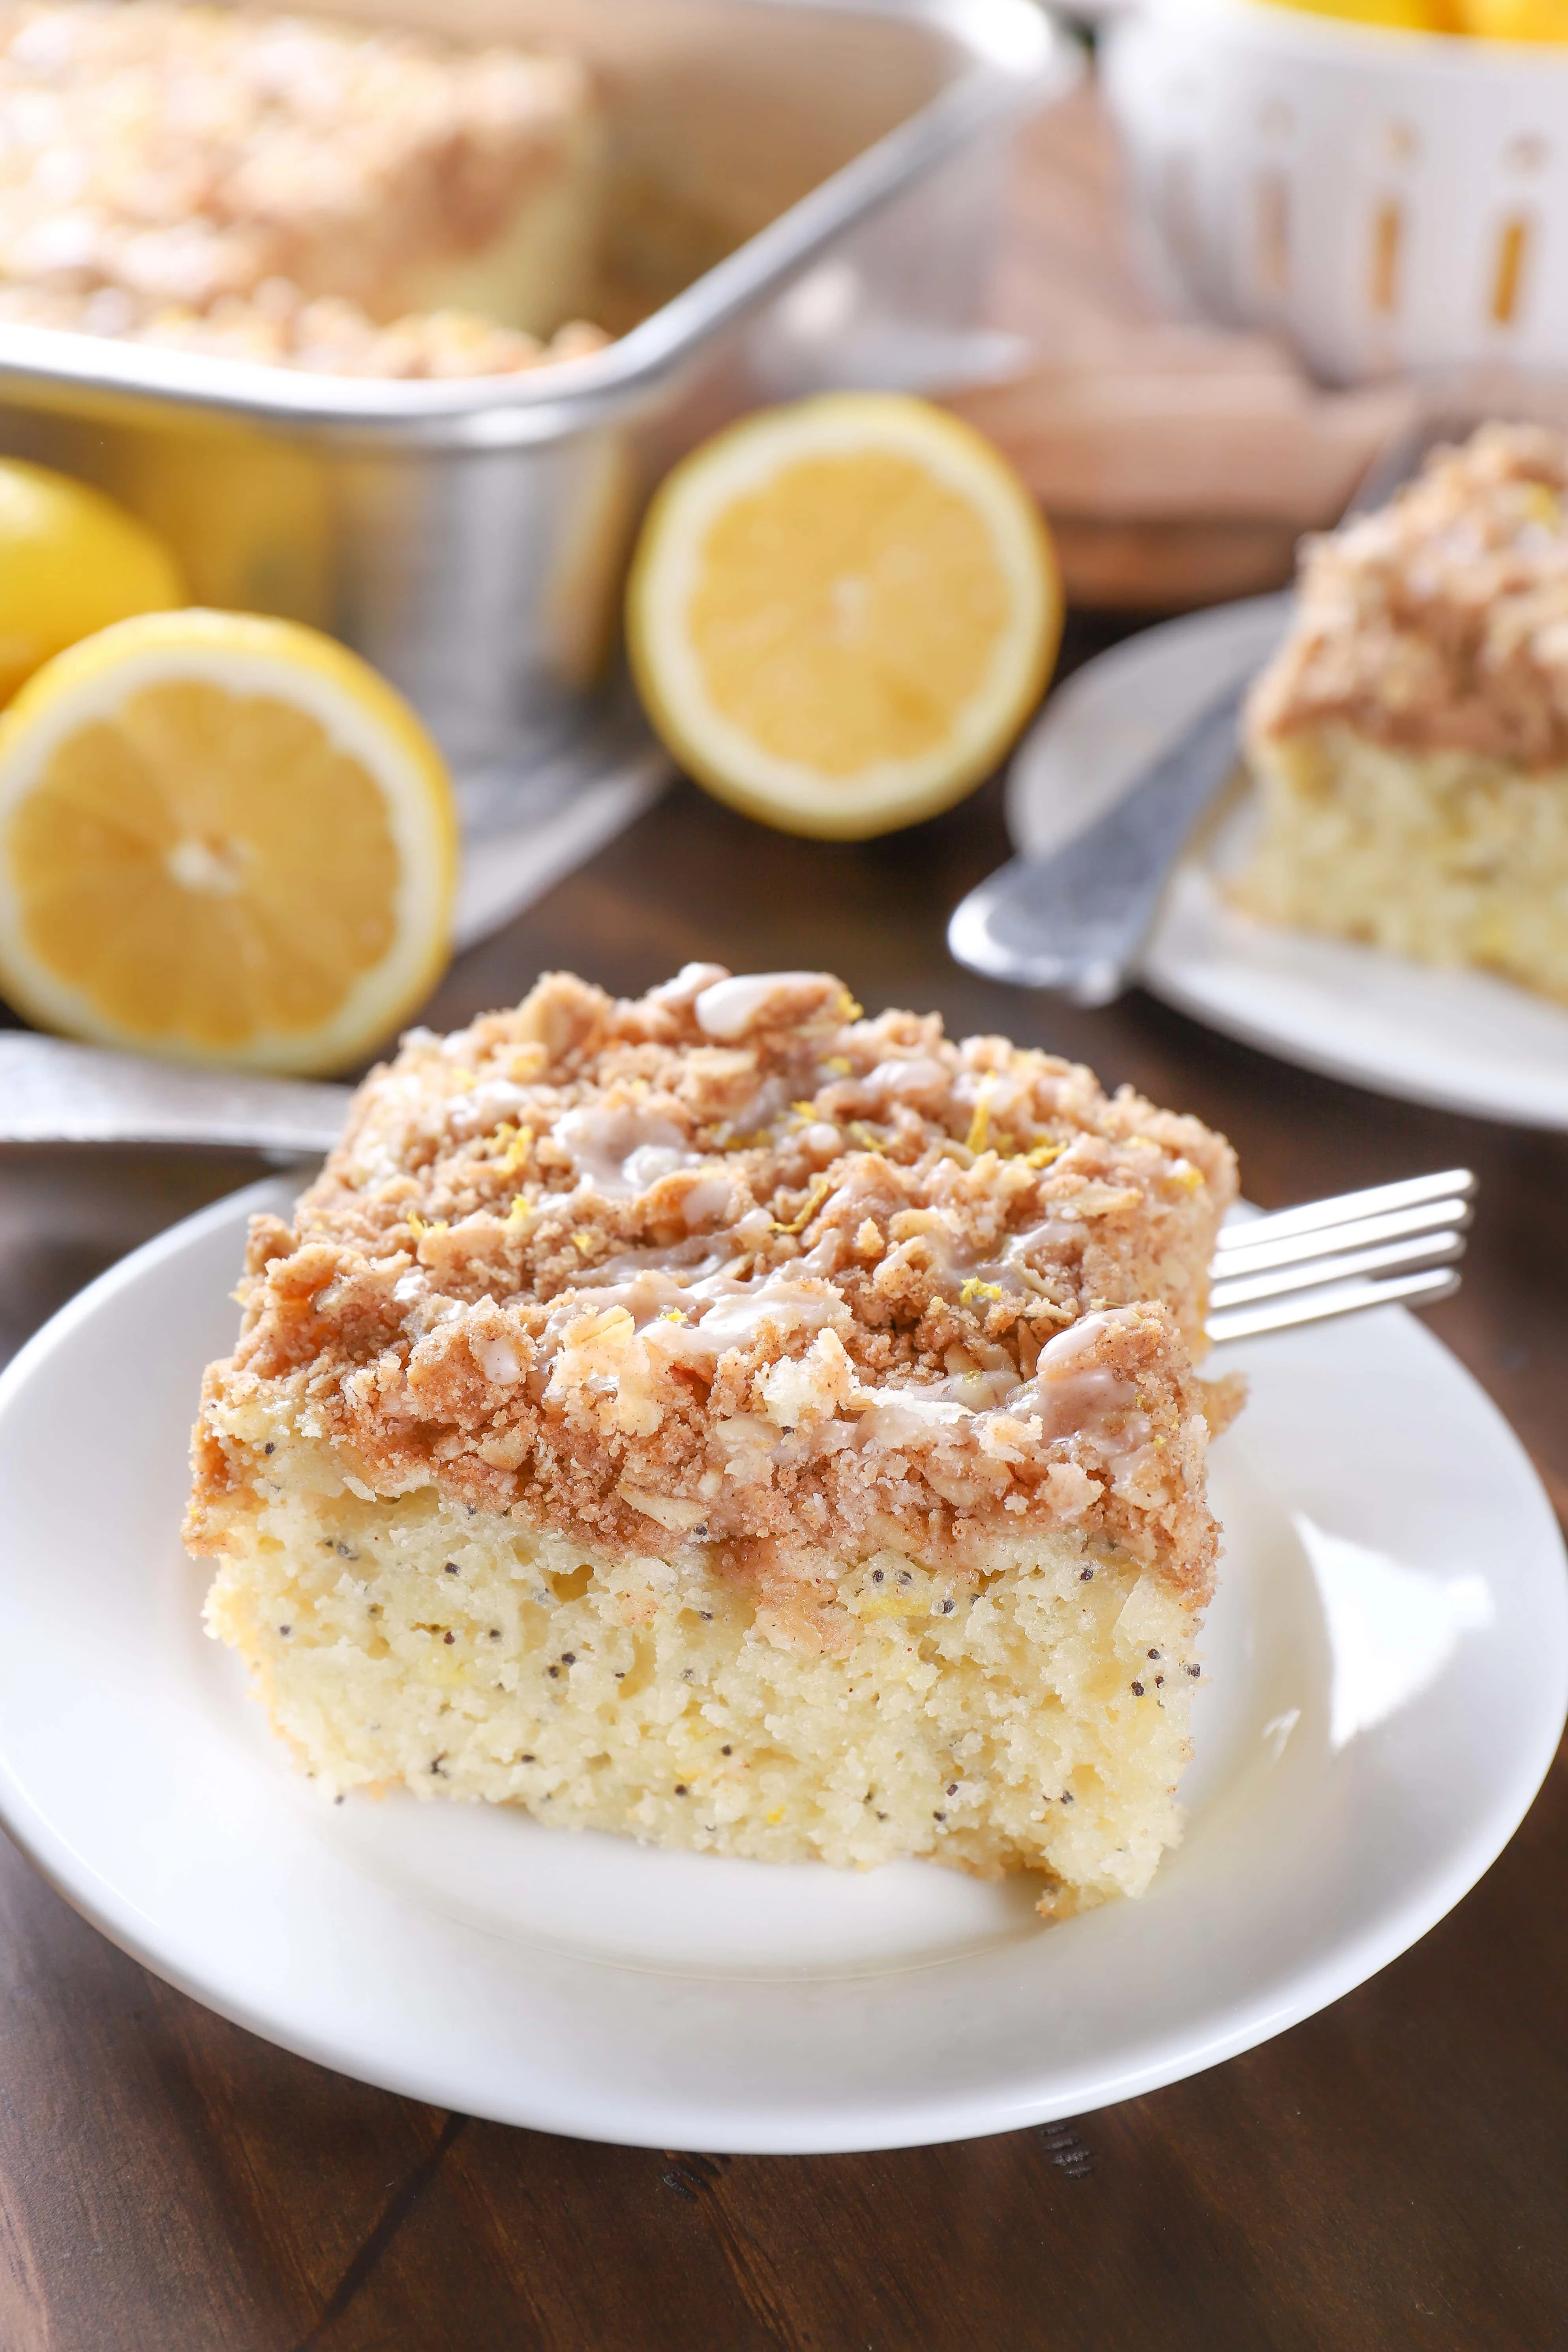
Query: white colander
[[1387, 200]]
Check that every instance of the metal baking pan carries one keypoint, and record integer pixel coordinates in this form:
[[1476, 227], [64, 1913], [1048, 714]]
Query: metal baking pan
[[839, 170]]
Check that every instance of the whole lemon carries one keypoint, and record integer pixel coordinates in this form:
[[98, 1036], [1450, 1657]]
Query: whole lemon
[[71, 562], [1410, 16], [1515, 20]]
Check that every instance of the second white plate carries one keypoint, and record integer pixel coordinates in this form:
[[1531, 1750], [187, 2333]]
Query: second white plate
[[1458, 1040]]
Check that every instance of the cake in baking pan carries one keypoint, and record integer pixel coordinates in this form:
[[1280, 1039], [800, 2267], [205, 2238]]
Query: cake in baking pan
[[727, 1420], [1410, 738], [292, 190]]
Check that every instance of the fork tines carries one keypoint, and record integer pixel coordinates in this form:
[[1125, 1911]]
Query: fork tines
[[1395, 1242]]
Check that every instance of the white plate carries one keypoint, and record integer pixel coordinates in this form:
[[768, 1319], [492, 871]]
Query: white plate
[[1459, 1040], [1388, 1662]]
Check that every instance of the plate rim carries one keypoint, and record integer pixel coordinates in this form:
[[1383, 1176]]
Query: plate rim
[[1163, 977], [1298, 1989]]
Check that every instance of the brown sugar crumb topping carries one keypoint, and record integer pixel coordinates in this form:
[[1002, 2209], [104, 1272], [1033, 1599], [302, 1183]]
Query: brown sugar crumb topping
[[1440, 623], [732, 1266], [258, 186], [277, 327]]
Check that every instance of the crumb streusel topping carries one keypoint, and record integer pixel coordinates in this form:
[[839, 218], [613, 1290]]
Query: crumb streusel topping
[[732, 1265], [258, 185], [277, 327], [1441, 622]]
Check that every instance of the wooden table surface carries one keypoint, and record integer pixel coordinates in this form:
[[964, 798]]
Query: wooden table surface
[[1393, 2173]]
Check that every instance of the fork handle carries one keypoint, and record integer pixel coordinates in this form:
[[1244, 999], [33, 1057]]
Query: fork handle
[[1077, 918]]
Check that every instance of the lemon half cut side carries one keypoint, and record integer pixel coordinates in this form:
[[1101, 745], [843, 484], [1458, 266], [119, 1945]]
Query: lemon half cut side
[[841, 613], [223, 839]]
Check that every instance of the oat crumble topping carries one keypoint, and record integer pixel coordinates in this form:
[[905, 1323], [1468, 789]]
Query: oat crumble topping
[[732, 1266], [257, 186], [1441, 622]]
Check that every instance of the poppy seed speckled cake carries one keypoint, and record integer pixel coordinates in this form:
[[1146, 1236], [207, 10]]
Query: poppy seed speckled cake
[[729, 1420]]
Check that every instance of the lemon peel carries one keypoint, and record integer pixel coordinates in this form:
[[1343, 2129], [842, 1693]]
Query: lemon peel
[[814, 1201]]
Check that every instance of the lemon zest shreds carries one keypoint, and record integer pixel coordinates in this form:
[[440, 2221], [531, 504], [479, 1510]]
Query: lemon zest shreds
[[980, 1124], [975, 1288], [515, 1156], [814, 1201]]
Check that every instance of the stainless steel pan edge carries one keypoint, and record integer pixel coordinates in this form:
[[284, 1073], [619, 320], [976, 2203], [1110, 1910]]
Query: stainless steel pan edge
[[1019, 60], [470, 540]]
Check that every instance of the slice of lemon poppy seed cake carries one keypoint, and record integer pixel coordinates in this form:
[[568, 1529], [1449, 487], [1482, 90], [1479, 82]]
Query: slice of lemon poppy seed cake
[[729, 1420], [1409, 739]]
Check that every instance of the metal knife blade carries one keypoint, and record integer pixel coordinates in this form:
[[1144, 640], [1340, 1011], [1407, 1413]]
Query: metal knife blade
[[1077, 917], [55, 1092]]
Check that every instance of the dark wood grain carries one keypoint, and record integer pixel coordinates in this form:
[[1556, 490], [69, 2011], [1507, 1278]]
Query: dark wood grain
[[1393, 2173]]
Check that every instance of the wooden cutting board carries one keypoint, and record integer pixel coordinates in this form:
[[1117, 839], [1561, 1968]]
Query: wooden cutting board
[[1178, 463]]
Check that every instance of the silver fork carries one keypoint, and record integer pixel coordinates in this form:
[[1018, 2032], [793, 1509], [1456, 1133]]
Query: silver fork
[[1330, 1258], [1076, 916], [1391, 1244]]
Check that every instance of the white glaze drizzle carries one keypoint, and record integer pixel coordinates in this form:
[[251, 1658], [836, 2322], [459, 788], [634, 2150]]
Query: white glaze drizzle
[[730, 1007], [620, 1149]]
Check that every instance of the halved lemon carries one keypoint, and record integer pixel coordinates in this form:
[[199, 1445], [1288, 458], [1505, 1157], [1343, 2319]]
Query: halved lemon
[[841, 613], [222, 839]]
